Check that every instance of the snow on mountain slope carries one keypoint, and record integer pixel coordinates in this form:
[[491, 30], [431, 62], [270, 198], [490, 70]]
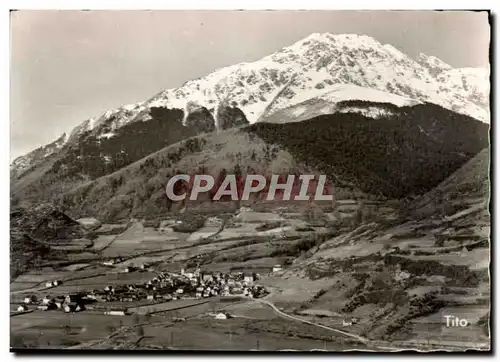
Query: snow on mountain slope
[[433, 64], [24, 162], [327, 102], [319, 62], [314, 67], [344, 92], [322, 60]]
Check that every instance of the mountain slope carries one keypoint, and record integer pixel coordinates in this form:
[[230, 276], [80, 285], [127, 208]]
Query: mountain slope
[[386, 157], [310, 70], [35, 157], [399, 278], [95, 155], [396, 155]]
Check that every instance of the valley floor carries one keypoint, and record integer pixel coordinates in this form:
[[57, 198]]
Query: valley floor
[[367, 287]]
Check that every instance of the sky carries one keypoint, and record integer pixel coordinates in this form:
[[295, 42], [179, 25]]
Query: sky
[[68, 66]]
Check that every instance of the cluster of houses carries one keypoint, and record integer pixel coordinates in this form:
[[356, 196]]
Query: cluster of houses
[[113, 261], [199, 284], [53, 283], [163, 287], [68, 303], [349, 322]]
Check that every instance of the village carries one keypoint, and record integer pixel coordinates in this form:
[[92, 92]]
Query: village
[[162, 288]]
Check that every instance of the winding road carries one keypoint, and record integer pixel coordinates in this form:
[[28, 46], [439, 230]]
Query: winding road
[[289, 316]]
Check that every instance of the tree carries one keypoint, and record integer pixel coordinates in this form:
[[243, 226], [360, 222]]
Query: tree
[[67, 329], [139, 331], [111, 329]]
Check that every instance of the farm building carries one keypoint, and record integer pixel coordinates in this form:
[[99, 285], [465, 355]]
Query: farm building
[[248, 278], [30, 300], [207, 277], [72, 298], [277, 268], [73, 307], [48, 285], [346, 323], [22, 308], [116, 312], [222, 316]]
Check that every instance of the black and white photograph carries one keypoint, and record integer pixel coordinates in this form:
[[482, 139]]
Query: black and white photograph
[[250, 180]]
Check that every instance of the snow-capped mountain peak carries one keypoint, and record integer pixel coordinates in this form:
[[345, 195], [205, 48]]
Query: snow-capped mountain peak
[[434, 65], [312, 67]]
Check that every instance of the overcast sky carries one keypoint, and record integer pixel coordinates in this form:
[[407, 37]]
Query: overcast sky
[[67, 66]]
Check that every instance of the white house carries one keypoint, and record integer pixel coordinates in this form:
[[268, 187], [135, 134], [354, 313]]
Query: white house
[[48, 285], [248, 279], [198, 295], [220, 316], [208, 277], [115, 312], [55, 283], [277, 268], [27, 300], [22, 308], [46, 300], [346, 323], [43, 307], [150, 297], [180, 291], [108, 263]]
